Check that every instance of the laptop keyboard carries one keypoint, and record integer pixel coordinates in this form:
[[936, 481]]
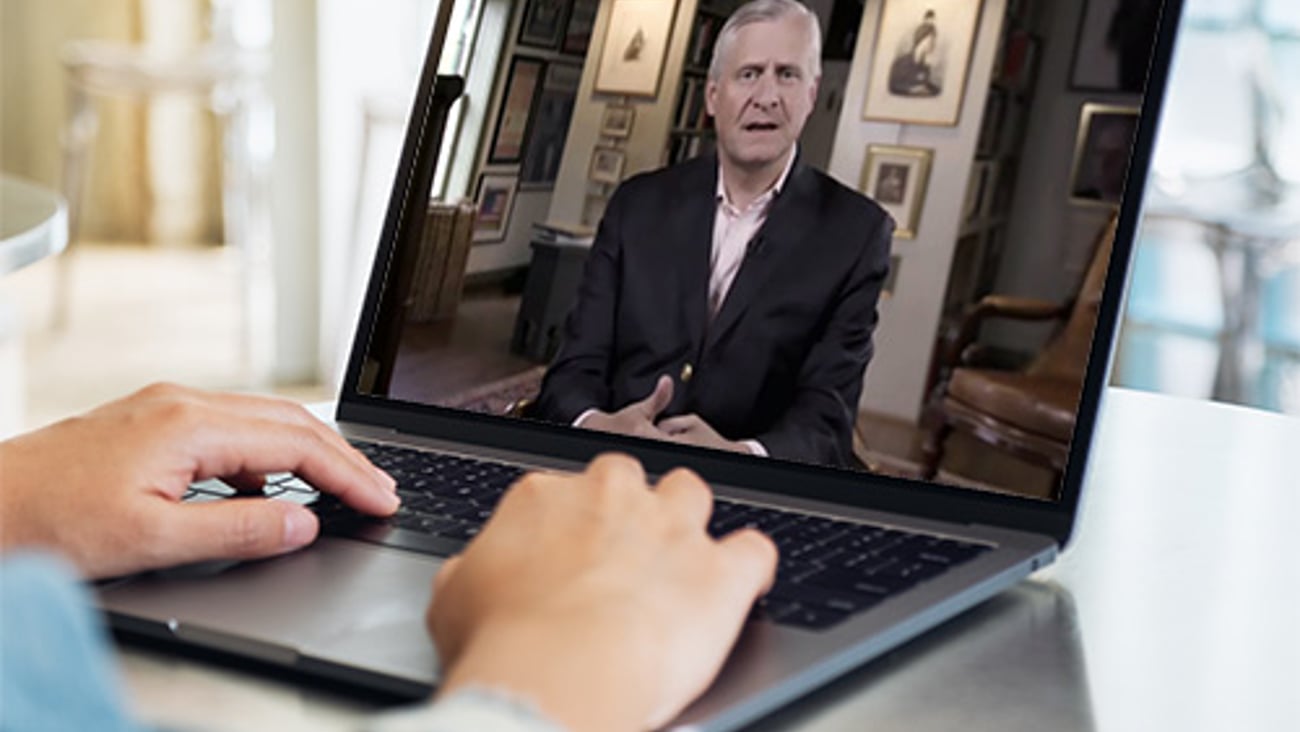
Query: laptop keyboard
[[828, 570]]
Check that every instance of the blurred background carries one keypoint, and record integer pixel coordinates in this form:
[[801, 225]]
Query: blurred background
[[227, 165]]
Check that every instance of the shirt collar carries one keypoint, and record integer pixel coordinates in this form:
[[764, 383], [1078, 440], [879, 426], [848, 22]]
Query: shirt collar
[[769, 194]]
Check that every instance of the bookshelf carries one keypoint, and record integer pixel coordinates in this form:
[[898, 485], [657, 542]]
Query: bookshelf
[[691, 133], [981, 239]]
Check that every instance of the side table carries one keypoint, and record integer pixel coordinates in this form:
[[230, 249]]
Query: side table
[[33, 225], [549, 293]]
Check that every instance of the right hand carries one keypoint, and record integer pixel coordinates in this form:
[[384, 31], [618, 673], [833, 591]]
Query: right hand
[[638, 418], [603, 602]]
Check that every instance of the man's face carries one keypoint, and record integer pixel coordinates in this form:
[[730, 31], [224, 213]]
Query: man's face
[[764, 92]]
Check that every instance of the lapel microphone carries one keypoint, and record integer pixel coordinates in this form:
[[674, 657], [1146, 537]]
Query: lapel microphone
[[756, 246]]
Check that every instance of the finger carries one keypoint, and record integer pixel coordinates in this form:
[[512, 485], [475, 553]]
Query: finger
[[612, 470], [281, 410], [445, 573], [680, 424], [687, 495], [223, 444], [659, 399], [752, 557], [240, 528]]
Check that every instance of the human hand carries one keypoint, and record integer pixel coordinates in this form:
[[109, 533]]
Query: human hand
[[603, 602], [104, 488], [638, 418], [691, 429]]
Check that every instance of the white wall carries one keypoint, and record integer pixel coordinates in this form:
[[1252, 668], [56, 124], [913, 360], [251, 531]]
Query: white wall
[[645, 148], [895, 384]]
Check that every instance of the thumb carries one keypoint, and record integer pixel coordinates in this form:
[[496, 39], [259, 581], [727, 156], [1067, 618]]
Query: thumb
[[659, 399], [238, 528]]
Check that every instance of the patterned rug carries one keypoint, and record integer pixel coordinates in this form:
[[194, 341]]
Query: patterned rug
[[495, 397]]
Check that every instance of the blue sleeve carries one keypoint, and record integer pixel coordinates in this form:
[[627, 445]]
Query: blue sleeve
[[56, 671]]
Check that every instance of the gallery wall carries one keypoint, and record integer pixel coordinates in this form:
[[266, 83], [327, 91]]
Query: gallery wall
[[530, 203], [894, 384], [576, 198]]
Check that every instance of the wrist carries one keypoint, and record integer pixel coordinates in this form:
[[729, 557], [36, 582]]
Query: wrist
[[546, 668]]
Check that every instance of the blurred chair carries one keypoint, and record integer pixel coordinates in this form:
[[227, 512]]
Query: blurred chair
[[229, 79], [1028, 413]]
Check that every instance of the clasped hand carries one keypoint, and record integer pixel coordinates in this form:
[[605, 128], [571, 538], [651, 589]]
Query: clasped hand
[[641, 419]]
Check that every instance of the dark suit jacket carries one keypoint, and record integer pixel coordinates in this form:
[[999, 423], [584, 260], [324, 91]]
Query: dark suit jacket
[[783, 360]]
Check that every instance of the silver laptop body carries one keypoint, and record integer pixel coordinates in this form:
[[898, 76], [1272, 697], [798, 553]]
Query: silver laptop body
[[353, 611]]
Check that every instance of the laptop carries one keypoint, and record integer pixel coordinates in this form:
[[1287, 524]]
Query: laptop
[[872, 555]]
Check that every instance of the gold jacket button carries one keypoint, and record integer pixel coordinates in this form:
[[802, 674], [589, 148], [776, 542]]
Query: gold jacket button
[[687, 372]]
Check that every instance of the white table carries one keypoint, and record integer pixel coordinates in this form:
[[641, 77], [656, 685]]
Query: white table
[[33, 225], [1178, 608]]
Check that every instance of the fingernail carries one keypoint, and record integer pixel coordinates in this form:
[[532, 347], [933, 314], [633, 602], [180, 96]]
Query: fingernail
[[299, 527], [386, 480], [393, 502]]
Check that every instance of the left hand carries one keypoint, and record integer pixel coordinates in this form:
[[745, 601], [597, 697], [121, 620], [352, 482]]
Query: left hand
[[104, 488], [691, 429]]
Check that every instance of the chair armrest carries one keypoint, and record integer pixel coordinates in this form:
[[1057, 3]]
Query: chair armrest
[[1018, 308], [998, 306]]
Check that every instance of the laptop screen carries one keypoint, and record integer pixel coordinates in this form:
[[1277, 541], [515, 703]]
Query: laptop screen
[[874, 242]]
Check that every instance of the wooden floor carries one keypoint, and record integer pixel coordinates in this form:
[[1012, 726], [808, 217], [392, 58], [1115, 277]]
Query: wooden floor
[[439, 361], [137, 314]]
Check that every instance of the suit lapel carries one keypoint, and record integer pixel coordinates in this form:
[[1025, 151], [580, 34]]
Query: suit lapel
[[787, 222], [693, 240]]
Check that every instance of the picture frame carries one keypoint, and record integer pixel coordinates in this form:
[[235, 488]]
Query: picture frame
[[1101, 154], [1105, 62], [896, 178], [636, 40], [578, 27], [549, 128], [617, 120], [494, 201], [543, 23], [607, 165], [517, 100], [921, 61]]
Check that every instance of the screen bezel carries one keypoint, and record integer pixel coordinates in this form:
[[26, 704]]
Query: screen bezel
[[932, 500]]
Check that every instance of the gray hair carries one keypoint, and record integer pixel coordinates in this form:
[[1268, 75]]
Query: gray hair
[[761, 11]]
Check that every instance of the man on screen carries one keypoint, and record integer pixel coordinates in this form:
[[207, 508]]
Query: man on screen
[[729, 301]]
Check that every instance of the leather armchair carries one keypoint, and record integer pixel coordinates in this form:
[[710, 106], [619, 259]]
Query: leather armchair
[[1028, 413]]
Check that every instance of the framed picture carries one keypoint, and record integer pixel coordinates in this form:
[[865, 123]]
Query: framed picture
[[617, 120], [516, 109], [543, 23], [921, 59], [896, 177], [632, 58], [607, 165], [577, 31], [1101, 153], [550, 125], [495, 199], [1114, 45]]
